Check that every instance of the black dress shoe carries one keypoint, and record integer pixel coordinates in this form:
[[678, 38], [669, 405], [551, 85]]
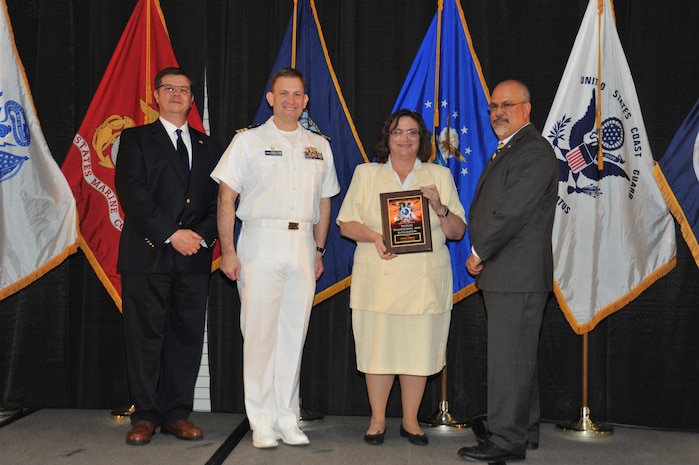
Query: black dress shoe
[[489, 452], [417, 439], [374, 439]]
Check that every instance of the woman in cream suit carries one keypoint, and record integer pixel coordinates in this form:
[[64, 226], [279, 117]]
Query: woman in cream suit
[[401, 303]]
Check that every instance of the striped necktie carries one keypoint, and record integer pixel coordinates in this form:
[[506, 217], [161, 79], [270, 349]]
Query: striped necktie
[[495, 154]]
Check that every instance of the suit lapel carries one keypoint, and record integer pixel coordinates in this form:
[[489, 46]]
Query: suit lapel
[[502, 154]]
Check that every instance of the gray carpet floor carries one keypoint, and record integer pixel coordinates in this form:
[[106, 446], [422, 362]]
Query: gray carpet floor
[[81, 437]]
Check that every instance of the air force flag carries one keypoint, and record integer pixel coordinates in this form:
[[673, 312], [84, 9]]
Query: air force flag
[[613, 235], [458, 115]]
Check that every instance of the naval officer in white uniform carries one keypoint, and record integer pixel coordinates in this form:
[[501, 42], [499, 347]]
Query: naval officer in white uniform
[[285, 177]]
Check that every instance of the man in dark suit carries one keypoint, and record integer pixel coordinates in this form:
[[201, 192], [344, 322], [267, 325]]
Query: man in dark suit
[[510, 224], [169, 203]]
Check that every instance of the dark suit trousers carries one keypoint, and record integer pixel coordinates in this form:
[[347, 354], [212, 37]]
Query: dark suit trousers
[[514, 324], [164, 316]]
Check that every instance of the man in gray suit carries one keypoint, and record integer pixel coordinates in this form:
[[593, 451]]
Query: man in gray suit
[[510, 223]]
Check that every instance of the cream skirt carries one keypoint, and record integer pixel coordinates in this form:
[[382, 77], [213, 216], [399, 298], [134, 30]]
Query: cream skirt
[[400, 344]]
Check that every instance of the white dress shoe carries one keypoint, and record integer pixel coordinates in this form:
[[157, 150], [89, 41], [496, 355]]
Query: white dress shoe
[[264, 438], [293, 436]]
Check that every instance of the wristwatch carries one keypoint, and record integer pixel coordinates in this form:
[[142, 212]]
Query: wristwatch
[[321, 250]]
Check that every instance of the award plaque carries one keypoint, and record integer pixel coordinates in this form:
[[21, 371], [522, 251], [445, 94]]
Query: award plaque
[[405, 218]]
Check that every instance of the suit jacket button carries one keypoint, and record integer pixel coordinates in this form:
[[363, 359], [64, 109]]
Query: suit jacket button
[[189, 200]]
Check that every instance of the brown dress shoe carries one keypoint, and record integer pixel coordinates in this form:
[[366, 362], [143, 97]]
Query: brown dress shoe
[[140, 433], [183, 429]]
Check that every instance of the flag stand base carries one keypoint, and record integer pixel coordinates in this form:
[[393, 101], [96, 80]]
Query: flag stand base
[[584, 428], [123, 413], [443, 420]]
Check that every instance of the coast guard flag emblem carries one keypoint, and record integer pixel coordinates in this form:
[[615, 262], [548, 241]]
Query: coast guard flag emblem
[[613, 235]]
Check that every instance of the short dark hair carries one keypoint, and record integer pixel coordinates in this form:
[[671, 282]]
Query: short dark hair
[[172, 71], [424, 152], [287, 72]]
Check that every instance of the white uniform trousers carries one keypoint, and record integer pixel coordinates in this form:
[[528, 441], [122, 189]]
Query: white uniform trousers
[[276, 291]]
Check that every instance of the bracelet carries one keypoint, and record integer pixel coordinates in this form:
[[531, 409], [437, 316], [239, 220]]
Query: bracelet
[[321, 250], [446, 212]]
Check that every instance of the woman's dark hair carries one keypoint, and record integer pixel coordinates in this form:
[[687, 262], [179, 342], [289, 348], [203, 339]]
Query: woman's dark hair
[[381, 149]]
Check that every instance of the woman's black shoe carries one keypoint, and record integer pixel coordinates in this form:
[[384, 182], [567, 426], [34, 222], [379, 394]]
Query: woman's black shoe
[[374, 439], [417, 439]]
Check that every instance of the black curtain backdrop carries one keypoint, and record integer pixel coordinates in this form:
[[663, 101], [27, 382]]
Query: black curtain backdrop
[[61, 339]]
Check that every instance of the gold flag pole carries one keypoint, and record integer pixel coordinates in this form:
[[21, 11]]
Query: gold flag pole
[[584, 427], [598, 116], [293, 34], [442, 419], [435, 121]]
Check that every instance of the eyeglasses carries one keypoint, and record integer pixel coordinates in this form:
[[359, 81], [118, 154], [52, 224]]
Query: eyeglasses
[[184, 90], [412, 133], [504, 106]]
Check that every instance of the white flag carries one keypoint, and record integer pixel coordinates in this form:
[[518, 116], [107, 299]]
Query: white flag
[[613, 235], [38, 227]]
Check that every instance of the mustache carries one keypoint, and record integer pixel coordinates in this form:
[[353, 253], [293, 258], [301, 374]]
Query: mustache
[[501, 118]]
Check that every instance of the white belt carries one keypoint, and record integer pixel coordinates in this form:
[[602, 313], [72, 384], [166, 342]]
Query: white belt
[[279, 224]]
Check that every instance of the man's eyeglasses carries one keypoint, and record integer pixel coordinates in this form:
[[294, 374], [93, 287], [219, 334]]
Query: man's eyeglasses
[[184, 90], [410, 133], [504, 106]]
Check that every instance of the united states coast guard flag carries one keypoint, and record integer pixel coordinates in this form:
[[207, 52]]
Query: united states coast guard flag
[[38, 228], [613, 234], [457, 110], [327, 115], [124, 98], [678, 177]]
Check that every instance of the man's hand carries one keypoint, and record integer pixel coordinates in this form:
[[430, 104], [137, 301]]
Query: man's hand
[[186, 242], [474, 265], [230, 266]]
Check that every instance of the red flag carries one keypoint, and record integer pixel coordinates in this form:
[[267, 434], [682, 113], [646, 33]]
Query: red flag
[[124, 98]]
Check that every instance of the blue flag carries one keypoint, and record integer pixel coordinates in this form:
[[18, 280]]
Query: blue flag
[[678, 176], [457, 112], [327, 115]]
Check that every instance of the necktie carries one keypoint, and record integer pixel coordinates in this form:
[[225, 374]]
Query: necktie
[[495, 154], [184, 155]]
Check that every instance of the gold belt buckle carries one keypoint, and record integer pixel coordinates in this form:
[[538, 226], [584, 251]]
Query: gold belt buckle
[[293, 225]]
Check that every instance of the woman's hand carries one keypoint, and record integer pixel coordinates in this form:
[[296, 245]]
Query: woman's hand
[[381, 249]]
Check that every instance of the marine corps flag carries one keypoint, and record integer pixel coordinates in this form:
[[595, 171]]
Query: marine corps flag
[[613, 235], [304, 48], [446, 86], [124, 98], [678, 176], [38, 220]]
